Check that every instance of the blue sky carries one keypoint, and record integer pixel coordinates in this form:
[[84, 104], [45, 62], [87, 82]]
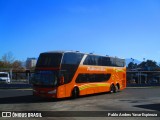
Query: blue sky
[[123, 28]]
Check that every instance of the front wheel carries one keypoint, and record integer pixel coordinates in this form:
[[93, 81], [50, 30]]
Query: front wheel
[[75, 93]]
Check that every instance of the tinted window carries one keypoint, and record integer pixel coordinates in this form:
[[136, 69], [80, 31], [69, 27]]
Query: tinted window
[[103, 61], [45, 78], [70, 64], [72, 58], [92, 60], [83, 78], [120, 62], [117, 62], [49, 60]]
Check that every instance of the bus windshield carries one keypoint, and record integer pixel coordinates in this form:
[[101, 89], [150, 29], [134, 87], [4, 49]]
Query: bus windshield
[[48, 78], [49, 60]]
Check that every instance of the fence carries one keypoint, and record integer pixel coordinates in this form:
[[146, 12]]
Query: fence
[[18, 76], [21, 77], [143, 77], [133, 77]]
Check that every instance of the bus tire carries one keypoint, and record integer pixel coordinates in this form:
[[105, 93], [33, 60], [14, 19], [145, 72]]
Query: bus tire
[[75, 92], [115, 89], [112, 88], [118, 86]]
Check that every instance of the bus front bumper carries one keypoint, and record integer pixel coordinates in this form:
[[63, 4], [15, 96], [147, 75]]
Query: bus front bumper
[[45, 93]]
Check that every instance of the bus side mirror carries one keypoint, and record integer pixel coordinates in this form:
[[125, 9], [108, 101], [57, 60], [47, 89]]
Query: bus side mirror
[[61, 80]]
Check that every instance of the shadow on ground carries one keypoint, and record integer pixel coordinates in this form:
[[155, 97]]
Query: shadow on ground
[[34, 99], [26, 99], [150, 106]]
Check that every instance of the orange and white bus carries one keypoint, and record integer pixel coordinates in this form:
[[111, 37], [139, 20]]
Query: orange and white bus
[[60, 74]]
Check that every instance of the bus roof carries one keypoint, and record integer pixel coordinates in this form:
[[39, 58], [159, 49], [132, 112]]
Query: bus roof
[[71, 51], [61, 51]]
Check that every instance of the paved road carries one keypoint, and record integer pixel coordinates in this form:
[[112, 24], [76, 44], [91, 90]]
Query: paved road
[[130, 99]]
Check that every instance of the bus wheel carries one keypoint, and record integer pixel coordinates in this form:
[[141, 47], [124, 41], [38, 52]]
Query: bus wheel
[[75, 92], [112, 88], [116, 89]]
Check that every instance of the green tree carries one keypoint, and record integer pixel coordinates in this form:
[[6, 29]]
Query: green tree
[[132, 65], [148, 65]]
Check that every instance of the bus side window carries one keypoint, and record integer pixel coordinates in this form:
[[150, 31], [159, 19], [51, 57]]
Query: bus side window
[[82, 78]]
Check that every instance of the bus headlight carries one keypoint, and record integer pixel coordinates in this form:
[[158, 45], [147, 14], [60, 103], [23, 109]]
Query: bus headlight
[[52, 92]]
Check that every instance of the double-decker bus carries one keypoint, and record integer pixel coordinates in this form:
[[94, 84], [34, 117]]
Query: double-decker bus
[[60, 74]]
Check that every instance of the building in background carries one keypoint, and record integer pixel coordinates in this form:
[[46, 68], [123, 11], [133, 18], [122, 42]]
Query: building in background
[[31, 63]]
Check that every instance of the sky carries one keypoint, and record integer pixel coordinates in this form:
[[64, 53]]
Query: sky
[[122, 28]]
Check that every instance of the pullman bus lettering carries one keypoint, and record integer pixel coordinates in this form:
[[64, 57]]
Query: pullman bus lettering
[[96, 69], [60, 74]]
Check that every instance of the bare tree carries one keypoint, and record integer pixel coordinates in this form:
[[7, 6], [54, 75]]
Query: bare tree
[[7, 59]]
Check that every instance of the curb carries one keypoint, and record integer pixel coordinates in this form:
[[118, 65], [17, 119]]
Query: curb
[[15, 86]]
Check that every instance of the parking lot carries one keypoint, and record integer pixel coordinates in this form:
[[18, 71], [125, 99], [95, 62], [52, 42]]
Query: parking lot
[[130, 99]]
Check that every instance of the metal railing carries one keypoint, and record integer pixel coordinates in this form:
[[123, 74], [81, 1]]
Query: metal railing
[[133, 77], [143, 77]]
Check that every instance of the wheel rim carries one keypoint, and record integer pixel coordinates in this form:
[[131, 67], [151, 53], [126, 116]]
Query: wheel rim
[[75, 93], [112, 89]]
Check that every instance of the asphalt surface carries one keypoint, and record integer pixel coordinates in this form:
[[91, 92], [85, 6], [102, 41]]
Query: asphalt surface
[[130, 99]]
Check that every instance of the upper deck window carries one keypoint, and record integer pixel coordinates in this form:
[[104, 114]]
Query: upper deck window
[[104, 61], [72, 58], [49, 60]]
